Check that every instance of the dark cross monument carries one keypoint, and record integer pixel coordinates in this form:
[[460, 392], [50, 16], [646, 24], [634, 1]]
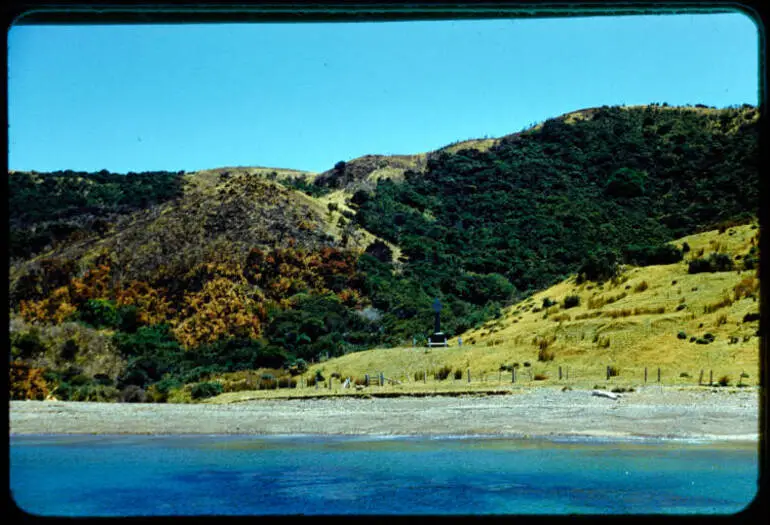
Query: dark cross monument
[[438, 338]]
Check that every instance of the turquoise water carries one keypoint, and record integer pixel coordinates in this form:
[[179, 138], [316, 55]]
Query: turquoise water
[[242, 475]]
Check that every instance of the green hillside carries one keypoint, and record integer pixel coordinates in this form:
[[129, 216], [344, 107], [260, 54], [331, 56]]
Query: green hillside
[[129, 286]]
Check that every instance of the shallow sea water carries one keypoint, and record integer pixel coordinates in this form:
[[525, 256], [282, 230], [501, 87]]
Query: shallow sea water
[[256, 475]]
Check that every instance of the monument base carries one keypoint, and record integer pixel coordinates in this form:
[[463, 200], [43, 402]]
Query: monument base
[[438, 339]]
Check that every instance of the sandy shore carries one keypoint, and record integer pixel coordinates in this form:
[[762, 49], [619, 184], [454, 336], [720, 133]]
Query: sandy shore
[[653, 412]]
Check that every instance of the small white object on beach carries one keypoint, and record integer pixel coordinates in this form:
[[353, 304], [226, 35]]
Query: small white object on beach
[[601, 393]]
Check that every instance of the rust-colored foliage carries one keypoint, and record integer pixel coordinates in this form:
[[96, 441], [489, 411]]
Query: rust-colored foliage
[[283, 272], [152, 306], [55, 308], [222, 307], [27, 382]]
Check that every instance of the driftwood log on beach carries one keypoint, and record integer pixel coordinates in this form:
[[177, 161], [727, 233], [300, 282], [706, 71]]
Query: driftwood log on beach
[[602, 393]]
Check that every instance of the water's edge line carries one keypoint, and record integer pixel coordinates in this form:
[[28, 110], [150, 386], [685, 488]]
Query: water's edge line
[[604, 437]]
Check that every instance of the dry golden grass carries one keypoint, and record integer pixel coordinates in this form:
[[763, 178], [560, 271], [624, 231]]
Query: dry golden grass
[[592, 340]]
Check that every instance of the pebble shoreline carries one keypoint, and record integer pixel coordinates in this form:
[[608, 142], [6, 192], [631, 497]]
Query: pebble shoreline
[[650, 412]]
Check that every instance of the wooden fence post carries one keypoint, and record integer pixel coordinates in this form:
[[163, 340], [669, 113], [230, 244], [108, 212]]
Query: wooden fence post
[[700, 378], [425, 376], [330, 382], [559, 373], [469, 375], [366, 379], [658, 374], [608, 373], [382, 379], [500, 377], [513, 375], [711, 377], [566, 371]]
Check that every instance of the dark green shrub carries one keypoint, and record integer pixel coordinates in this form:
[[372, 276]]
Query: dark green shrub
[[724, 381], [614, 371], [69, 350], [443, 372], [682, 335], [206, 390], [717, 262], [571, 301], [751, 316], [598, 265], [681, 307], [80, 380], [709, 336], [298, 367], [99, 313], [27, 345], [650, 255], [684, 374], [527, 364], [458, 374], [95, 393], [132, 394], [547, 303], [626, 183], [103, 379]]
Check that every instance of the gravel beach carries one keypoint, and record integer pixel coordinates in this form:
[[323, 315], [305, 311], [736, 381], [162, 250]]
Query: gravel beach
[[653, 412]]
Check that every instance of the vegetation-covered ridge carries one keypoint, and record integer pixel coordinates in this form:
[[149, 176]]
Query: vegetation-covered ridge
[[131, 286]]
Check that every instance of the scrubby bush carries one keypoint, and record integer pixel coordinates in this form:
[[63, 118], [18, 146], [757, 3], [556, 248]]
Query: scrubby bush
[[626, 183], [751, 316], [27, 345], [650, 255], [458, 374], [540, 377], [527, 364], [420, 375], [614, 371], [682, 335], [598, 266], [545, 355], [571, 301], [684, 374], [642, 286], [206, 390], [132, 394], [724, 381], [443, 372], [716, 262], [547, 303], [96, 393]]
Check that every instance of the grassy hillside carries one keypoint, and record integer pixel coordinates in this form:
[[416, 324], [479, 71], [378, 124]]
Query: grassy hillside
[[631, 322], [134, 286]]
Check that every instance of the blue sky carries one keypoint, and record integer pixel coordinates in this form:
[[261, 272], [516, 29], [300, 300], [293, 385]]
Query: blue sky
[[304, 96]]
